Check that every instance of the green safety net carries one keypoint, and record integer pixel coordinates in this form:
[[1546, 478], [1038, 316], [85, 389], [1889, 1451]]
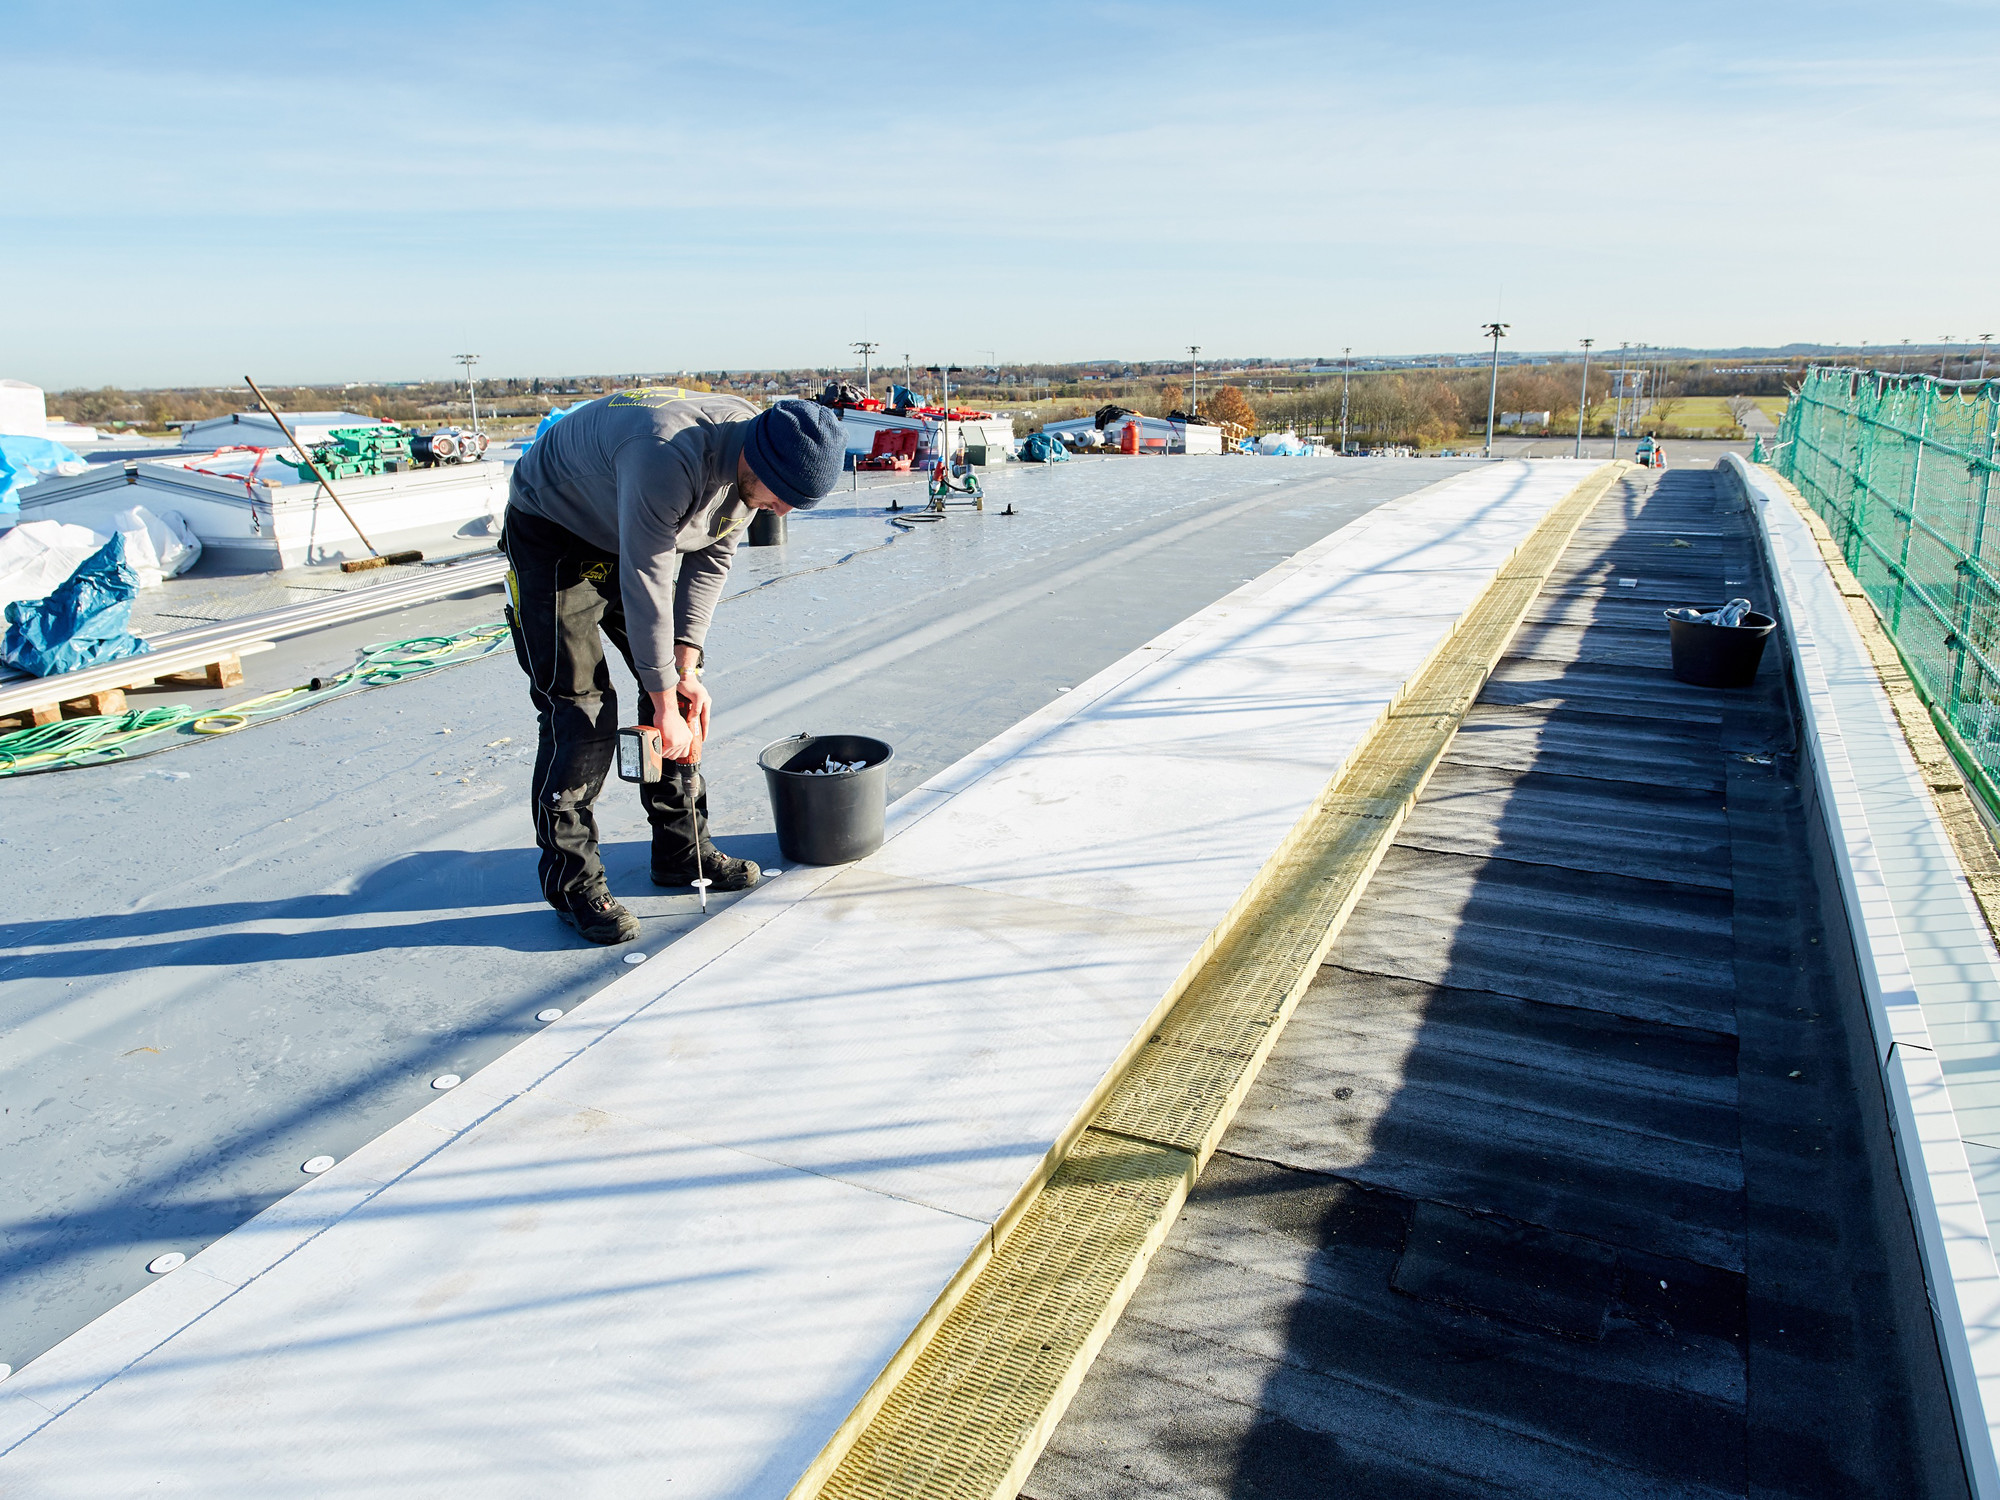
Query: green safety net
[[1901, 469]]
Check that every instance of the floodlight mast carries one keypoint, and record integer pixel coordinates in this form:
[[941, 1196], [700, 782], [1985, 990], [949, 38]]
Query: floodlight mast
[[1194, 369], [1346, 363], [866, 350], [1583, 398], [1496, 332]]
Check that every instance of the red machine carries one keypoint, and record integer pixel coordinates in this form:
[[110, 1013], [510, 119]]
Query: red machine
[[895, 448]]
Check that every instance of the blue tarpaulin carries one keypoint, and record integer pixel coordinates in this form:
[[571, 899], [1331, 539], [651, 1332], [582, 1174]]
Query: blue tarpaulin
[[23, 461], [82, 623], [554, 416], [1043, 448]]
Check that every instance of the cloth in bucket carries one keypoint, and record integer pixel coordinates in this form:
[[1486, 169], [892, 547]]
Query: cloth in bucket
[[1731, 613], [82, 623]]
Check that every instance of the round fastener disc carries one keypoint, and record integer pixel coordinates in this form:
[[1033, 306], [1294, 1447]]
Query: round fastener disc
[[173, 1260], [446, 1081], [635, 958], [316, 1165], [774, 872], [5, 1371], [701, 885], [551, 1014]]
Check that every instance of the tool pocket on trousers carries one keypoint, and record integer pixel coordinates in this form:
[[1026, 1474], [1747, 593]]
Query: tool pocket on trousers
[[514, 630]]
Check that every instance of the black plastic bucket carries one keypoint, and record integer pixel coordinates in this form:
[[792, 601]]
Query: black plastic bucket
[[767, 529], [827, 820], [1719, 656]]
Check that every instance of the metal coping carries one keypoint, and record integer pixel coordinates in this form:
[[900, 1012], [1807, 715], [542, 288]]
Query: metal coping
[[969, 1402]]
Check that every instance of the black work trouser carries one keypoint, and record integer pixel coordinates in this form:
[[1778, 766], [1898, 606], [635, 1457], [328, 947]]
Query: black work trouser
[[562, 599]]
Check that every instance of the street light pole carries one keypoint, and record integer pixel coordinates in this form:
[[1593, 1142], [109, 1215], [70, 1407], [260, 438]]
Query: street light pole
[[866, 350], [1194, 372], [1346, 364], [1496, 332], [1618, 400], [1583, 399], [1985, 343]]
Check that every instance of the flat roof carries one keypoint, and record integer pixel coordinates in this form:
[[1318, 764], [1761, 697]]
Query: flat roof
[[716, 1197], [260, 949]]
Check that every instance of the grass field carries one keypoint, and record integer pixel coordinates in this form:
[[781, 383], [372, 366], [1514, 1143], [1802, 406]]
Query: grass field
[[1691, 413], [1702, 413], [1696, 412]]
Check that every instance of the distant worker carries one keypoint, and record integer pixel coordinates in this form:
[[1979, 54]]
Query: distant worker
[[623, 518]]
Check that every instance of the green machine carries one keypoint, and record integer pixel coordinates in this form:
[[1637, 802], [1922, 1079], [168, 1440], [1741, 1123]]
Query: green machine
[[351, 452]]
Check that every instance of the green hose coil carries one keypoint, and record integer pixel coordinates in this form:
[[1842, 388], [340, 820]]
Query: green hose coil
[[100, 739]]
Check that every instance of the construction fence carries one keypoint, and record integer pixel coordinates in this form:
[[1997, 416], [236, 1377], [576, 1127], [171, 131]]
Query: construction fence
[[1901, 470]]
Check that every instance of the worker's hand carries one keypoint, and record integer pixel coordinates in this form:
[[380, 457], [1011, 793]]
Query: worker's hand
[[677, 741], [695, 704]]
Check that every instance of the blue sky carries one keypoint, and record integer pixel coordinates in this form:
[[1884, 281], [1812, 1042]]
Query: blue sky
[[361, 191]]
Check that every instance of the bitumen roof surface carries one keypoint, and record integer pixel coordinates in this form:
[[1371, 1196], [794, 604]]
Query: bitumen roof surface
[[220, 962], [1570, 1176]]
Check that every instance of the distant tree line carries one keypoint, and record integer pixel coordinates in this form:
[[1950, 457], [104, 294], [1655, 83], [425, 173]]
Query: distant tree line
[[1420, 407]]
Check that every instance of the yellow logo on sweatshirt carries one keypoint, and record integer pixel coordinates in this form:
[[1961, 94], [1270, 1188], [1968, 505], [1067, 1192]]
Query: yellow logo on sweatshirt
[[652, 395]]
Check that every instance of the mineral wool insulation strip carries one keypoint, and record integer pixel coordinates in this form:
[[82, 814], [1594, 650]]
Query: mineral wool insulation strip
[[969, 1415]]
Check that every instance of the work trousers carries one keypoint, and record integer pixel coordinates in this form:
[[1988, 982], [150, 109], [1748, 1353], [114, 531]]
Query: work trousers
[[562, 601]]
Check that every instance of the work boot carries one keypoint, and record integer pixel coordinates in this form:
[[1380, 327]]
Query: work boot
[[722, 872], [598, 917], [677, 806]]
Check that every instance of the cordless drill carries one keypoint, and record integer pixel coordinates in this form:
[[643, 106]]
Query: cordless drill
[[642, 758]]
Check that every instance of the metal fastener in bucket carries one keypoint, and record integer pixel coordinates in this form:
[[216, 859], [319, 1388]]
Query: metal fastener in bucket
[[828, 795], [1719, 647]]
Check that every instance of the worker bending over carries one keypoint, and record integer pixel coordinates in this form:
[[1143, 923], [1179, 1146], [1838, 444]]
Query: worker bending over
[[623, 518]]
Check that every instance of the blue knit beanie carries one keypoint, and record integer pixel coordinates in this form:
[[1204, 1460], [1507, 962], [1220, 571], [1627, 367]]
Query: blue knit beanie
[[798, 450]]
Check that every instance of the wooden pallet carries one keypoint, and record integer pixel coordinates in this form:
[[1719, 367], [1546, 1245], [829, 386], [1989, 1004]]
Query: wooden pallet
[[226, 670]]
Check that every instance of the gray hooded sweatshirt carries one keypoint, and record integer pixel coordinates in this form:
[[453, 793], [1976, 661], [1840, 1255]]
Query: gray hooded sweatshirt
[[651, 480]]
